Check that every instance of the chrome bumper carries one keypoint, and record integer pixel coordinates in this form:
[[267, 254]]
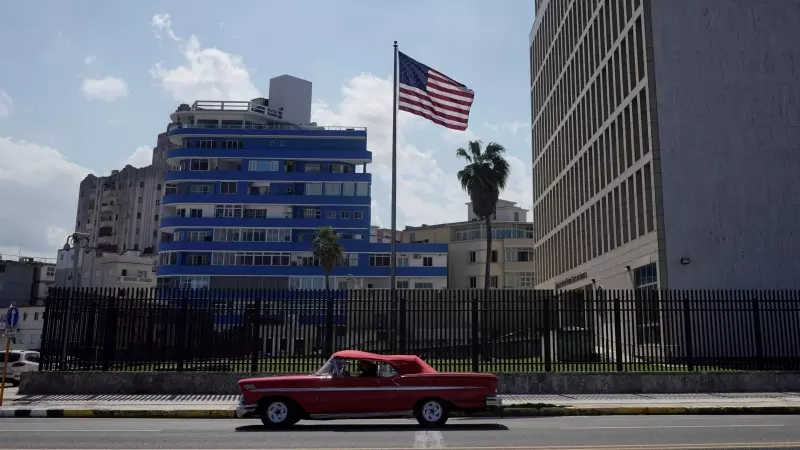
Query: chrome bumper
[[243, 410], [494, 402]]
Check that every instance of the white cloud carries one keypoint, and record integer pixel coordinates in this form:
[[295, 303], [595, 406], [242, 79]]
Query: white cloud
[[41, 210], [108, 89], [509, 127], [207, 74], [89, 59], [5, 104], [141, 157]]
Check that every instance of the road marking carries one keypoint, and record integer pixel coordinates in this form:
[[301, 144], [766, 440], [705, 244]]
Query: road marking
[[718, 446], [674, 426]]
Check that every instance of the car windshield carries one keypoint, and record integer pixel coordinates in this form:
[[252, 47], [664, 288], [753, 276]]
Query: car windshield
[[331, 367], [12, 357]]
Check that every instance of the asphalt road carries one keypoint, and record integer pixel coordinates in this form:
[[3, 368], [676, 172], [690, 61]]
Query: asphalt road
[[641, 432]]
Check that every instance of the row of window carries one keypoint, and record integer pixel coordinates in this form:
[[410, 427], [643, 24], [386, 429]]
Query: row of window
[[247, 235], [316, 213], [385, 260], [511, 280], [301, 282], [347, 189]]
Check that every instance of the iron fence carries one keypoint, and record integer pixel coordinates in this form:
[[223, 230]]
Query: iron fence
[[293, 331]]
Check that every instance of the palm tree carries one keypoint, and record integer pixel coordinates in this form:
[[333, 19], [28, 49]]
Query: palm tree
[[484, 176], [329, 252]]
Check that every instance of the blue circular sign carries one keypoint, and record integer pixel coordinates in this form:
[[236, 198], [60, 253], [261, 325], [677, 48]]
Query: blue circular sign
[[12, 317]]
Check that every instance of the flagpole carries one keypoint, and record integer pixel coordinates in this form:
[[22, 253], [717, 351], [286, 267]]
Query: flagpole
[[394, 184]]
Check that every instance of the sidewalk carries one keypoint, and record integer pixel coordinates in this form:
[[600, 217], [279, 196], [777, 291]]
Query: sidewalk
[[223, 406]]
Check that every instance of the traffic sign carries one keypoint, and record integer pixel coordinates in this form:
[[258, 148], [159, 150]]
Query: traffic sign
[[12, 317]]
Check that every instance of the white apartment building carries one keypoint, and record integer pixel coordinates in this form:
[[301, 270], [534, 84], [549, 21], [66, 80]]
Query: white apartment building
[[131, 269], [121, 211], [512, 248], [28, 334]]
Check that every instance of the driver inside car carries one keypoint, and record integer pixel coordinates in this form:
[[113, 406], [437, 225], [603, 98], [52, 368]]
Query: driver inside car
[[368, 369]]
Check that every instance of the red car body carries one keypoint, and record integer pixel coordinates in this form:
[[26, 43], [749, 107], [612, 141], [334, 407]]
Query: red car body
[[405, 386]]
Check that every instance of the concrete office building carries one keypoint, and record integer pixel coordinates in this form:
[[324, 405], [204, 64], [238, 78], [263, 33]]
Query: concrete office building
[[25, 282], [120, 211], [512, 248], [665, 144]]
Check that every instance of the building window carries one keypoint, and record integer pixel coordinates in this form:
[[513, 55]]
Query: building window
[[349, 189], [198, 165], [358, 215], [312, 213], [250, 259], [349, 260], [473, 257], [227, 187], [313, 188], [403, 261], [473, 282], [158, 187], [493, 281], [263, 165], [340, 168], [518, 280], [345, 214], [648, 316], [519, 254], [380, 260], [331, 214], [333, 188], [140, 199], [196, 213], [138, 215], [141, 184], [402, 285], [51, 271], [233, 144], [427, 261], [494, 256], [155, 217], [309, 167], [423, 285], [206, 144], [228, 210], [362, 189]]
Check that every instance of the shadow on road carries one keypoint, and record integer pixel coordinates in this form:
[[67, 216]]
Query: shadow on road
[[375, 428]]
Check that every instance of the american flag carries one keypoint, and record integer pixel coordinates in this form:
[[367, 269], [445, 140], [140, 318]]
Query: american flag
[[432, 95]]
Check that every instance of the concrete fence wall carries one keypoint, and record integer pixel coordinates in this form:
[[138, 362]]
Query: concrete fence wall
[[225, 383]]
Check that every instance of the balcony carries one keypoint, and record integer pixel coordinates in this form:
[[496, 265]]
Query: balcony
[[349, 155], [276, 199], [244, 222], [352, 246], [359, 271], [226, 175], [137, 280]]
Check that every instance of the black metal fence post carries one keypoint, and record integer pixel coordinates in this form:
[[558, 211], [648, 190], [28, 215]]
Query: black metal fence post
[[475, 338], [402, 323], [618, 333], [688, 340], [547, 324], [757, 334], [256, 332], [328, 347], [182, 331]]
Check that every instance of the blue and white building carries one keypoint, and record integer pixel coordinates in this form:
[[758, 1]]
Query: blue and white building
[[252, 181]]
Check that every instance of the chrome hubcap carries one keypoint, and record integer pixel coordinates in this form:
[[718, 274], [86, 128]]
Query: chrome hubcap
[[277, 412], [432, 411]]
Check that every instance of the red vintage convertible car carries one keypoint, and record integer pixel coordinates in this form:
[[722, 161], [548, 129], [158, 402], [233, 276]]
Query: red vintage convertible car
[[355, 384]]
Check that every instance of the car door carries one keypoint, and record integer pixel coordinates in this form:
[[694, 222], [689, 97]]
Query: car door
[[31, 362], [351, 394]]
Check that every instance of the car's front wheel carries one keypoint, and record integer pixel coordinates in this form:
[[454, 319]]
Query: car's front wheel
[[279, 414], [431, 413]]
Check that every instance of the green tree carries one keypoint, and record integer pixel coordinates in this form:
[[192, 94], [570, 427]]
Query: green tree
[[484, 176], [329, 252]]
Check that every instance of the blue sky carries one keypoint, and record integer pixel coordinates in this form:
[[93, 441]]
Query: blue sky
[[86, 86]]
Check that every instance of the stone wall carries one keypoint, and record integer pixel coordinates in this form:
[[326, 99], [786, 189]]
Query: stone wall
[[225, 383]]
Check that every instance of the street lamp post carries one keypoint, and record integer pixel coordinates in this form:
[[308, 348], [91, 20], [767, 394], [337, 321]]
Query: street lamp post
[[76, 239]]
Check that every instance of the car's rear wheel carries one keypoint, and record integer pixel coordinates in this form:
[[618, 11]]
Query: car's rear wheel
[[279, 414], [431, 413]]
